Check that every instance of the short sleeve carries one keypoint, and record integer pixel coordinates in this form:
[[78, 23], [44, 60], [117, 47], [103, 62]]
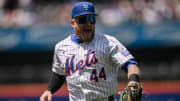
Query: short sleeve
[[57, 66], [119, 53]]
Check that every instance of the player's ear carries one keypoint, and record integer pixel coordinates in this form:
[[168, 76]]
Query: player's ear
[[72, 22]]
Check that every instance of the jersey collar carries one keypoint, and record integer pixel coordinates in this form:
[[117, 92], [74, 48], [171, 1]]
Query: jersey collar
[[75, 39]]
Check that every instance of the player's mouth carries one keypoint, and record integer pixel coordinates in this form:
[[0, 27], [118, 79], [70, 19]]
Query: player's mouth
[[87, 30]]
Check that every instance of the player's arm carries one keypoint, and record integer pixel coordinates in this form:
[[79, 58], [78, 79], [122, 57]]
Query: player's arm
[[133, 74], [134, 90], [133, 71], [55, 82]]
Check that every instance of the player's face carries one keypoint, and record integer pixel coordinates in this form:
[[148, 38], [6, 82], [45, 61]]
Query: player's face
[[84, 27]]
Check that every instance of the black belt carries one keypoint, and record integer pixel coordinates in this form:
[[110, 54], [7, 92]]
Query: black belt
[[111, 98]]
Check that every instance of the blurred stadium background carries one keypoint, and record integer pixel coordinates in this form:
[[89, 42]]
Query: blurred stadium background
[[29, 29]]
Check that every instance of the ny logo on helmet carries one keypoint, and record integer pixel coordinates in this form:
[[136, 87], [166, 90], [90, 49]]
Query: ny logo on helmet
[[85, 6]]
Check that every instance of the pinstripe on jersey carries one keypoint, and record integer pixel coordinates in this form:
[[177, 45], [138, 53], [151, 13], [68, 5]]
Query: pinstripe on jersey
[[91, 69]]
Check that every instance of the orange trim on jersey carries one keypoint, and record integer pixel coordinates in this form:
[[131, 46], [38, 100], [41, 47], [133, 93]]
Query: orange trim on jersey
[[67, 67], [80, 65]]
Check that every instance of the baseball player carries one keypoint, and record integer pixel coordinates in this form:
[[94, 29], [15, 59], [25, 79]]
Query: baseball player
[[89, 61]]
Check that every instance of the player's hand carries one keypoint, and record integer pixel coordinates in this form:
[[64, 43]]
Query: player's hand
[[132, 84], [46, 96], [132, 93]]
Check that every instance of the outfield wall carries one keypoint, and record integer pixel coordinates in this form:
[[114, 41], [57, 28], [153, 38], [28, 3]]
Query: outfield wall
[[152, 91]]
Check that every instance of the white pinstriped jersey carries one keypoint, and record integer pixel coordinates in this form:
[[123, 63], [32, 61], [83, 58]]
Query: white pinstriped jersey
[[91, 69]]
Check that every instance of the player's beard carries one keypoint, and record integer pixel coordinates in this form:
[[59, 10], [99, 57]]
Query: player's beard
[[86, 35]]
